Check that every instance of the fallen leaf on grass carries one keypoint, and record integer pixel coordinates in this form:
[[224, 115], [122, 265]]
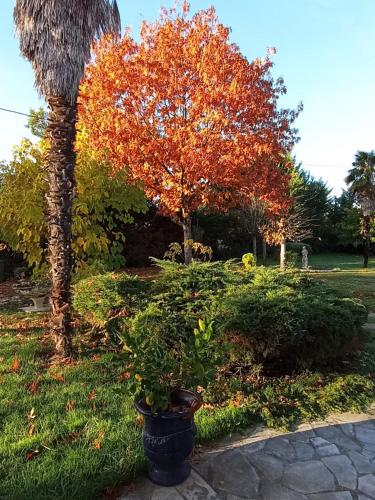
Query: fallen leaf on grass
[[124, 376], [30, 455], [98, 441], [15, 365], [91, 395], [139, 420], [33, 386], [58, 377], [70, 405]]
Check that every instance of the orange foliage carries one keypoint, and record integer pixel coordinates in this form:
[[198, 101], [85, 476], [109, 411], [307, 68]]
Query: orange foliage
[[188, 115]]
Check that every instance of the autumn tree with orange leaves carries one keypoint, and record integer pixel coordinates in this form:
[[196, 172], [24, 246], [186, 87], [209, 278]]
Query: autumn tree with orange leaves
[[189, 116]]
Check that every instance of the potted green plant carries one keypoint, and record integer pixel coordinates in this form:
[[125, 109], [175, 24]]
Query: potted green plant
[[166, 369]]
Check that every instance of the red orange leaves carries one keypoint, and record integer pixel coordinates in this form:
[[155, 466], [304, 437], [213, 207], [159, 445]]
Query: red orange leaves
[[124, 376], [30, 455], [91, 395], [188, 115]]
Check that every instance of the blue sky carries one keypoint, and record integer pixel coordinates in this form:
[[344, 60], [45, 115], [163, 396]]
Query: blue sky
[[326, 54]]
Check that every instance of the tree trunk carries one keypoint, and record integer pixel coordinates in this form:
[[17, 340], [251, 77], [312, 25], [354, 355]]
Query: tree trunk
[[255, 245], [264, 250], [283, 254], [60, 169], [188, 251], [366, 239]]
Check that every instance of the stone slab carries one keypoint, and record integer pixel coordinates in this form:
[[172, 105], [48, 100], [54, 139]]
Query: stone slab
[[366, 485], [343, 470], [332, 495], [309, 477], [196, 488], [232, 473], [276, 491]]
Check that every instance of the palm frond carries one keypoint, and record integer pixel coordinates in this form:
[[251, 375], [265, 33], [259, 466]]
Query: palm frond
[[361, 178], [56, 37]]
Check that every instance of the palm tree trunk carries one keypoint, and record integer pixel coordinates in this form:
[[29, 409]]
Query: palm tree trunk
[[366, 239], [60, 168], [188, 251], [283, 254]]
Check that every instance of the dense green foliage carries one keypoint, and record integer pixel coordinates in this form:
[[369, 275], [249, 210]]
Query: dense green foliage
[[161, 361], [102, 205], [99, 298], [313, 199], [291, 322], [361, 177], [282, 321], [297, 247]]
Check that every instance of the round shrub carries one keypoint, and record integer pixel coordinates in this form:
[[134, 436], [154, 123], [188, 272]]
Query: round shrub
[[249, 261]]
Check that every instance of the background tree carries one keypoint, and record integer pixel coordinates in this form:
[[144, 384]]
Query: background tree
[[250, 218], [56, 38], [38, 122], [361, 182], [190, 117], [315, 197], [292, 225], [102, 205]]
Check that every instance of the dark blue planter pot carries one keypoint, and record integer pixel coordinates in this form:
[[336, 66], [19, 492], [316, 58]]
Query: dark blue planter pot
[[168, 438]]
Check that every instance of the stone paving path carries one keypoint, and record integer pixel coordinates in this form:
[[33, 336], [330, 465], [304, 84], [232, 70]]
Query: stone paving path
[[330, 460]]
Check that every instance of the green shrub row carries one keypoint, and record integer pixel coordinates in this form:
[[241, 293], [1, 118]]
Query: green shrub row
[[262, 320]]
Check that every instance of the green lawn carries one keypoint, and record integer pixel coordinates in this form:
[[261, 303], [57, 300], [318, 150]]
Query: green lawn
[[337, 260], [349, 277], [352, 279], [358, 284]]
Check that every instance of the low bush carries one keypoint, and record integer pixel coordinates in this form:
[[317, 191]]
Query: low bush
[[276, 322], [99, 299], [289, 321], [199, 277]]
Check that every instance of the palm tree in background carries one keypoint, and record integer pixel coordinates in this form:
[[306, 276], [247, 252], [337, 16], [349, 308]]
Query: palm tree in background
[[56, 37], [361, 182]]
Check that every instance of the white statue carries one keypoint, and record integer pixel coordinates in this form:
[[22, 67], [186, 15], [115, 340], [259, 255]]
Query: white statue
[[305, 258]]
